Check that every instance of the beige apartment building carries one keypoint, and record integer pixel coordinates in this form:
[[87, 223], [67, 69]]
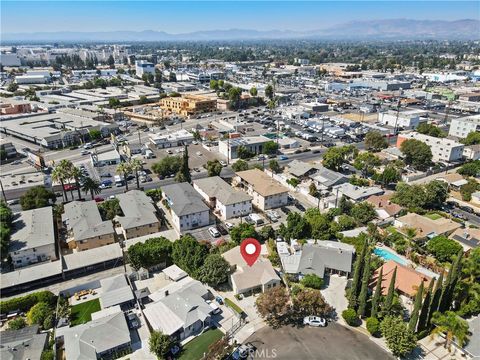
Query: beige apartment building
[[85, 228], [188, 105]]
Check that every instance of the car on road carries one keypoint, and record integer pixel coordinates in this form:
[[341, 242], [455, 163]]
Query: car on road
[[98, 199], [214, 232], [85, 152], [106, 175], [13, 202], [316, 321], [170, 152], [16, 162], [69, 187], [105, 186]]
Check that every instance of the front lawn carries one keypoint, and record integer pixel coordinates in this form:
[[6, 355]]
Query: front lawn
[[233, 306], [81, 313], [195, 349], [433, 216]]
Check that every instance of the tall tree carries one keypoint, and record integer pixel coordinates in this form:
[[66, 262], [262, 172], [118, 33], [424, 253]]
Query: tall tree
[[377, 295], [391, 292], [357, 273], [136, 165], [77, 175], [412, 324], [124, 169], [184, 172], [450, 283], [91, 186], [362, 298], [437, 294], [422, 320]]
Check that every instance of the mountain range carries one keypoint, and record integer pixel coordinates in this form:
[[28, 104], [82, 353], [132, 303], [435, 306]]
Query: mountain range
[[388, 29]]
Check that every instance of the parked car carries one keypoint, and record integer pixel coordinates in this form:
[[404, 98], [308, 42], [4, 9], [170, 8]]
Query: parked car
[[133, 322], [285, 210], [229, 226], [223, 163], [216, 309], [214, 232], [85, 152], [106, 175], [243, 351], [300, 207], [16, 162], [199, 153], [314, 321], [219, 300], [222, 230]]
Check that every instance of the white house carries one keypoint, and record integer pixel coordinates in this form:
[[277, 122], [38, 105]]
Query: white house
[[176, 138], [229, 147], [33, 237], [220, 196], [266, 192], [187, 208], [406, 119]]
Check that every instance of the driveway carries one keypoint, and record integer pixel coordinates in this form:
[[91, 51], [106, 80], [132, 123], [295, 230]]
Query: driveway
[[335, 342], [334, 293]]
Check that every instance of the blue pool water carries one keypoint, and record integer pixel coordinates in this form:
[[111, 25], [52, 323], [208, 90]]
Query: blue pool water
[[387, 255]]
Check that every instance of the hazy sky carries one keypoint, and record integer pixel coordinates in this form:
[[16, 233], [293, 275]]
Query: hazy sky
[[186, 16]]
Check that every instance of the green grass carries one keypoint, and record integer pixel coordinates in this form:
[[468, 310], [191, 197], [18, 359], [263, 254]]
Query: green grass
[[195, 349], [433, 216], [233, 306], [392, 229], [81, 313]]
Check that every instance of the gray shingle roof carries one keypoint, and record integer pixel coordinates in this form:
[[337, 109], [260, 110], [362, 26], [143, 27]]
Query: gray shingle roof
[[115, 291], [22, 344], [216, 187], [183, 199], [32, 228], [138, 209], [299, 168], [328, 178], [85, 221]]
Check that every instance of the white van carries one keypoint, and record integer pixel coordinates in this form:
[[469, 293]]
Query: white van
[[149, 154], [256, 219]]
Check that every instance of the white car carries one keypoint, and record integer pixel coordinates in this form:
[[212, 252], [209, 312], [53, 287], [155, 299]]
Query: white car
[[214, 232], [223, 163], [215, 307], [229, 226], [199, 153], [316, 321]]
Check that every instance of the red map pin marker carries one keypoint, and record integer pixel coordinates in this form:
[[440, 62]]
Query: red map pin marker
[[250, 249]]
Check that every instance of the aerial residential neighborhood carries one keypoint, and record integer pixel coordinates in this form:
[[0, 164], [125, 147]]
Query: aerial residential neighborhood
[[240, 180]]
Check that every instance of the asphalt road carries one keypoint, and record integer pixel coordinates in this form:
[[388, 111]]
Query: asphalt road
[[334, 342]]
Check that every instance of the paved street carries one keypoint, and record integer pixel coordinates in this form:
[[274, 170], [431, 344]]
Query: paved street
[[335, 342]]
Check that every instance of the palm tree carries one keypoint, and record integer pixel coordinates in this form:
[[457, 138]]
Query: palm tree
[[76, 174], [58, 174], [136, 165], [452, 325], [124, 169], [91, 186], [67, 166]]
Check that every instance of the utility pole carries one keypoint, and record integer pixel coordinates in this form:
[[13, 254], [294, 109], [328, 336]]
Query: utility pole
[[3, 191]]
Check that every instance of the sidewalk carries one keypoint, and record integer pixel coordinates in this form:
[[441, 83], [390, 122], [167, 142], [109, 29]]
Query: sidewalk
[[248, 330]]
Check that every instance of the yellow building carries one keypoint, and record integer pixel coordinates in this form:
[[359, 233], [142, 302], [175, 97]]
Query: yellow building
[[188, 105]]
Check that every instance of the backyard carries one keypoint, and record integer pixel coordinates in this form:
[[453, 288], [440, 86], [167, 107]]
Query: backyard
[[433, 216], [195, 349], [81, 313]]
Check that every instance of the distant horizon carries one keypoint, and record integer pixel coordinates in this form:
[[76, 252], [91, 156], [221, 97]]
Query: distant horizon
[[181, 17]]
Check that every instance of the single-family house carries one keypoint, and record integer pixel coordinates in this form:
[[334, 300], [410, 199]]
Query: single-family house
[[407, 280], [301, 169], [139, 214], [33, 237], [21, 344], [356, 193], [320, 258], [325, 179], [469, 238], [266, 192], [85, 227], [225, 201], [186, 206], [426, 227], [246, 279], [96, 339], [384, 207], [180, 309]]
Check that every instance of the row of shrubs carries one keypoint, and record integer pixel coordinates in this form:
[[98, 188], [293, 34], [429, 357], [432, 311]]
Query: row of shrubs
[[24, 303]]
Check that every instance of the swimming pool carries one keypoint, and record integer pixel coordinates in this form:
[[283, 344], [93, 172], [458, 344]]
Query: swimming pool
[[387, 255]]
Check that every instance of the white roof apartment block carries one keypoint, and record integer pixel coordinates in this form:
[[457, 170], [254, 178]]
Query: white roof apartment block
[[89, 341], [443, 149], [461, 127], [216, 187], [137, 208], [84, 220], [32, 229], [183, 199]]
